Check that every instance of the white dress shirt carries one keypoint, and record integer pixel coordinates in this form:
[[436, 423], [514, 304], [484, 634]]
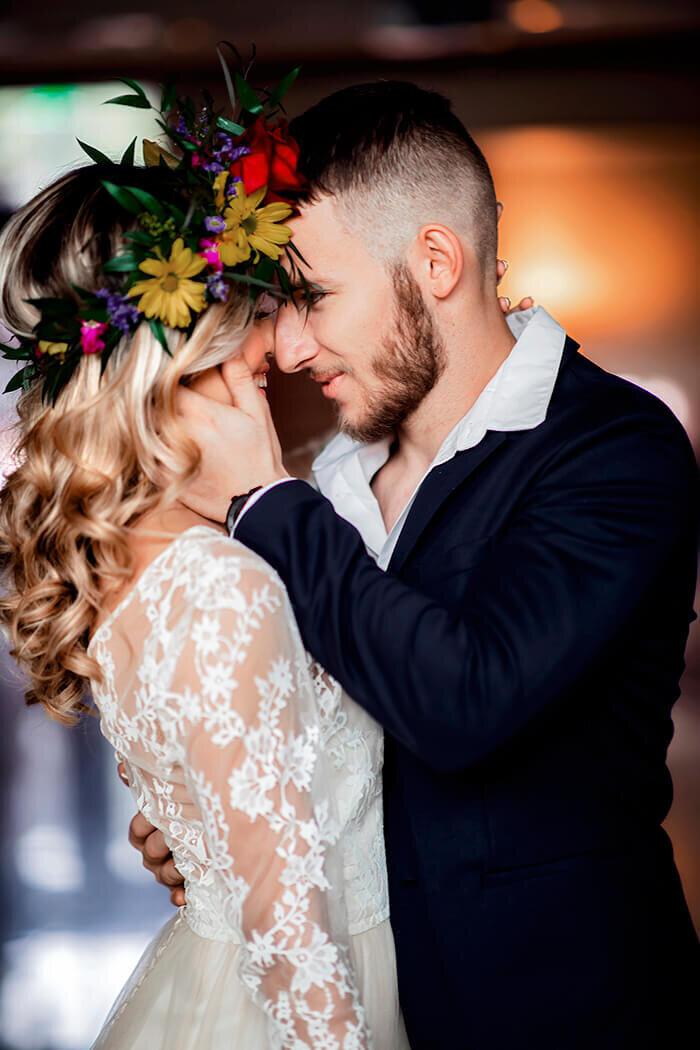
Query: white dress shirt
[[516, 398]]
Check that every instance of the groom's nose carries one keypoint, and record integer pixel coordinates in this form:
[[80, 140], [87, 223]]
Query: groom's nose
[[295, 344]]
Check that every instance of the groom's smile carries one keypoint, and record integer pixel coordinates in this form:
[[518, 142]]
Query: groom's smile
[[367, 336]]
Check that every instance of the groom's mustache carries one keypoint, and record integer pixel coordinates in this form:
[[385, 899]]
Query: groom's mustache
[[326, 374]]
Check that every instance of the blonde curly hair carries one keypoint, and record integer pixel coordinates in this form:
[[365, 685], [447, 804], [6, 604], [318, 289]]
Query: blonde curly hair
[[110, 450]]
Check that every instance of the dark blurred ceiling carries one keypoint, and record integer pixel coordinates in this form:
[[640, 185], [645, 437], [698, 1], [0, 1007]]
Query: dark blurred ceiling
[[82, 38], [502, 62]]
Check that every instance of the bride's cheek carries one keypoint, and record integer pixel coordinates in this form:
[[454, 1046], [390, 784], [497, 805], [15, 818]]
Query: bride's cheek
[[211, 384]]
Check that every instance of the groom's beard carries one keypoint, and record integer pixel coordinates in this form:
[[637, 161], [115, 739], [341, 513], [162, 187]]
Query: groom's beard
[[410, 363]]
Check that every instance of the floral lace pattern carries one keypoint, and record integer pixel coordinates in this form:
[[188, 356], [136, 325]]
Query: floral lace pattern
[[259, 774]]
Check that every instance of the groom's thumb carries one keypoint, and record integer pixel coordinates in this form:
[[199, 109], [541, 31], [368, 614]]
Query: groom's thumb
[[243, 389]]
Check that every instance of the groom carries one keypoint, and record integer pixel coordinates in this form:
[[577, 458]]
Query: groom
[[500, 569]]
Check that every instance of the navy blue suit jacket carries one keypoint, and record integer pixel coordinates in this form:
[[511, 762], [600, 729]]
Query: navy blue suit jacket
[[523, 653]]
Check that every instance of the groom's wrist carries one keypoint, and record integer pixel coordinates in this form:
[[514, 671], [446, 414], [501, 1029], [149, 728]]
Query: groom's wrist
[[241, 504]]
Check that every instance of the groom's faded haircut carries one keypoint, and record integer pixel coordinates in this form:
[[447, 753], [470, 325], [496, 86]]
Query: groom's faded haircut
[[396, 157]]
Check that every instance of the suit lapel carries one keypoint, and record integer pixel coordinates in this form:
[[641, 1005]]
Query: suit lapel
[[436, 489], [443, 480]]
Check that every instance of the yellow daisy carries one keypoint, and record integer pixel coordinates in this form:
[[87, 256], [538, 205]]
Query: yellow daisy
[[220, 189], [249, 226], [170, 294], [58, 350]]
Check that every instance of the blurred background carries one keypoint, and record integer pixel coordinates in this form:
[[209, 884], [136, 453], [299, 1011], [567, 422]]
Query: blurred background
[[587, 113]]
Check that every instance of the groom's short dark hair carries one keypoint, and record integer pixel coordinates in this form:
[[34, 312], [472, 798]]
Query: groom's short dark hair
[[392, 151]]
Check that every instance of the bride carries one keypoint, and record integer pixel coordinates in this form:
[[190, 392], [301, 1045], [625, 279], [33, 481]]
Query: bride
[[264, 779]]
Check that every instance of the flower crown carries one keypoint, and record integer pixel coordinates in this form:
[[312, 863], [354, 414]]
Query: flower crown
[[240, 178]]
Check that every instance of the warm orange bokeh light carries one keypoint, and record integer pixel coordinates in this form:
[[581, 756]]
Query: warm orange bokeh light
[[535, 16], [598, 226]]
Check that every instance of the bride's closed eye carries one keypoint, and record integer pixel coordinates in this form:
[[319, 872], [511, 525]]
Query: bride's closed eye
[[266, 306]]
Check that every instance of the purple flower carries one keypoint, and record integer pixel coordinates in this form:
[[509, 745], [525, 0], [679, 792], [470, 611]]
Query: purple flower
[[212, 166], [121, 310], [217, 288], [237, 152], [214, 224]]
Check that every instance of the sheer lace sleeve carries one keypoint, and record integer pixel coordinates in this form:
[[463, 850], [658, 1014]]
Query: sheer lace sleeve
[[253, 766]]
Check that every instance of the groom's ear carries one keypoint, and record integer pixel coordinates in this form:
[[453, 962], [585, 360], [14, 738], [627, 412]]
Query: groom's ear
[[439, 255]]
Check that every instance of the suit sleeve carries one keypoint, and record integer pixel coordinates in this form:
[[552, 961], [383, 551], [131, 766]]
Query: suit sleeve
[[598, 525]]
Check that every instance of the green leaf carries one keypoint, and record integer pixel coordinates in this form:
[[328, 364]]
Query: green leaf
[[122, 264], [293, 248], [227, 77], [15, 353], [284, 281], [283, 87], [129, 152], [111, 341], [178, 215], [158, 331], [176, 137], [94, 154], [94, 313], [247, 97], [124, 197], [230, 126], [133, 84], [247, 279], [148, 201], [167, 99], [52, 307], [265, 268], [58, 377], [135, 101], [17, 380], [57, 331], [139, 237], [84, 293]]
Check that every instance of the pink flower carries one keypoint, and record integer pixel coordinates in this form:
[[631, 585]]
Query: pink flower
[[90, 332], [209, 250]]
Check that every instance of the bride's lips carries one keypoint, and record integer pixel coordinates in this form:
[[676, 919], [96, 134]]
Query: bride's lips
[[260, 380]]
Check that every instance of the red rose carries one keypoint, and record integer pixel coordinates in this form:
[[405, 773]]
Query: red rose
[[272, 161]]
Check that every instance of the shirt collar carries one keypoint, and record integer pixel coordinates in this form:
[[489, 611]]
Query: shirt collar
[[516, 398]]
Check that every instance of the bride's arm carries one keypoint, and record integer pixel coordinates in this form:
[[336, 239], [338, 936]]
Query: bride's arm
[[253, 764]]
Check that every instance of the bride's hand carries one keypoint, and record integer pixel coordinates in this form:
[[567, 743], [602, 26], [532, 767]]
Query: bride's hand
[[524, 304], [501, 267], [155, 854]]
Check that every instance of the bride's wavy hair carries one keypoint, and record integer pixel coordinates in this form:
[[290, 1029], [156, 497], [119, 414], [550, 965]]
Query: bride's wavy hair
[[108, 452]]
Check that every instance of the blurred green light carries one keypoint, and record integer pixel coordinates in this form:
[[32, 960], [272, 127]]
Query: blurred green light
[[54, 91]]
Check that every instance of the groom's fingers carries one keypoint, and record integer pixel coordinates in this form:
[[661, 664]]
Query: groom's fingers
[[168, 875], [139, 830]]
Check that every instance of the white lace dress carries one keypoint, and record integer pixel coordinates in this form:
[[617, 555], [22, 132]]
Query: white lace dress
[[266, 783]]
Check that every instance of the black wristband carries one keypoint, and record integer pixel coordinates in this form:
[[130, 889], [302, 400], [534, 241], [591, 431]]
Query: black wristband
[[236, 506]]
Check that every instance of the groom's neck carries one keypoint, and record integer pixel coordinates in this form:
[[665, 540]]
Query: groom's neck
[[475, 344]]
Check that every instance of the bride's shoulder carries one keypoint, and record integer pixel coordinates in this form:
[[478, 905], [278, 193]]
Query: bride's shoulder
[[210, 566]]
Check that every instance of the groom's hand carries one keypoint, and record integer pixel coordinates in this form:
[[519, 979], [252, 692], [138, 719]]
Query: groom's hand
[[239, 445], [155, 854]]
